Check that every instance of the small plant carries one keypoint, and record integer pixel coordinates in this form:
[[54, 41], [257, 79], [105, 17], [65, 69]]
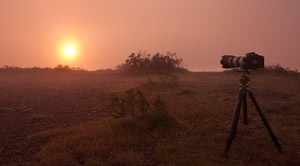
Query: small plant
[[147, 114], [134, 103], [159, 116]]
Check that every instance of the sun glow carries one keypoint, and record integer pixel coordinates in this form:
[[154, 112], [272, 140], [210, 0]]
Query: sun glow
[[69, 51]]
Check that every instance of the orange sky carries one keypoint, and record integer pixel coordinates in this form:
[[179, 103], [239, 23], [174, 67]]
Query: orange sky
[[107, 32]]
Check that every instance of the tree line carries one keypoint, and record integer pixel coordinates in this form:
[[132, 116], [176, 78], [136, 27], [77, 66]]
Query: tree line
[[59, 68]]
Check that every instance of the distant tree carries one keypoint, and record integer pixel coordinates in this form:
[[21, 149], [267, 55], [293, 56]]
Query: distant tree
[[157, 62]]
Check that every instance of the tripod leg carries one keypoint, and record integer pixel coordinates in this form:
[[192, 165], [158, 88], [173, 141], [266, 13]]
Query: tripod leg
[[234, 124], [265, 122], [245, 109]]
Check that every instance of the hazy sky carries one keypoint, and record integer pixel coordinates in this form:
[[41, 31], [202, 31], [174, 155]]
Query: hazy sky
[[106, 32]]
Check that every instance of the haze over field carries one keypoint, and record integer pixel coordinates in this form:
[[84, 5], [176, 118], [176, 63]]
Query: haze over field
[[97, 34]]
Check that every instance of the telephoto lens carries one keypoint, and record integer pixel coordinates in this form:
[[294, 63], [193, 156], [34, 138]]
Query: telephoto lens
[[250, 61], [231, 61]]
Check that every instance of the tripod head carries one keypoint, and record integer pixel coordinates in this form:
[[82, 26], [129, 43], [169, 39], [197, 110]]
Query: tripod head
[[243, 70], [244, 80]]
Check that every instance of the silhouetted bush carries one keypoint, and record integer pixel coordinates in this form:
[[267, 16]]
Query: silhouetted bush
[[157, 62], [280, 69]]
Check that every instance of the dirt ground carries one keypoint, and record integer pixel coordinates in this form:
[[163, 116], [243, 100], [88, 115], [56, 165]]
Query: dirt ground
[[34, 102]]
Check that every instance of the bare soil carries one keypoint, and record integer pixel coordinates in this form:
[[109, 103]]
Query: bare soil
[[34, 102]]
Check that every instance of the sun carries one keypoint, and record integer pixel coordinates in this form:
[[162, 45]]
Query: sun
[[69, 50]]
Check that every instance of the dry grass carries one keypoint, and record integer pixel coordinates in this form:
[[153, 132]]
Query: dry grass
[[107, 142], [203, 105]]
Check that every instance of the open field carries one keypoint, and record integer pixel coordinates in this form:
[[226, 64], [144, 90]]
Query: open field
[[64, 118]]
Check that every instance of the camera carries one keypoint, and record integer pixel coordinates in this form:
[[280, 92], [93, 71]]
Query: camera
[[250, 61]]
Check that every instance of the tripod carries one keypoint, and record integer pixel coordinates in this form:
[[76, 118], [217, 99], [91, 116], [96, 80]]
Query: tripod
[[244, 90]]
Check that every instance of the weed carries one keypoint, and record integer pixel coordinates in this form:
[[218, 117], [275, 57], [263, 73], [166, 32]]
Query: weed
[[147, 114], [134, 103], [160, 116]]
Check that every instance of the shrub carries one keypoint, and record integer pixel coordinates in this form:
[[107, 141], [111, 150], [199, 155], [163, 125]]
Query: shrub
[[278, 69], [146, 114], [159, 116], [157, 62], [134, 103]]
